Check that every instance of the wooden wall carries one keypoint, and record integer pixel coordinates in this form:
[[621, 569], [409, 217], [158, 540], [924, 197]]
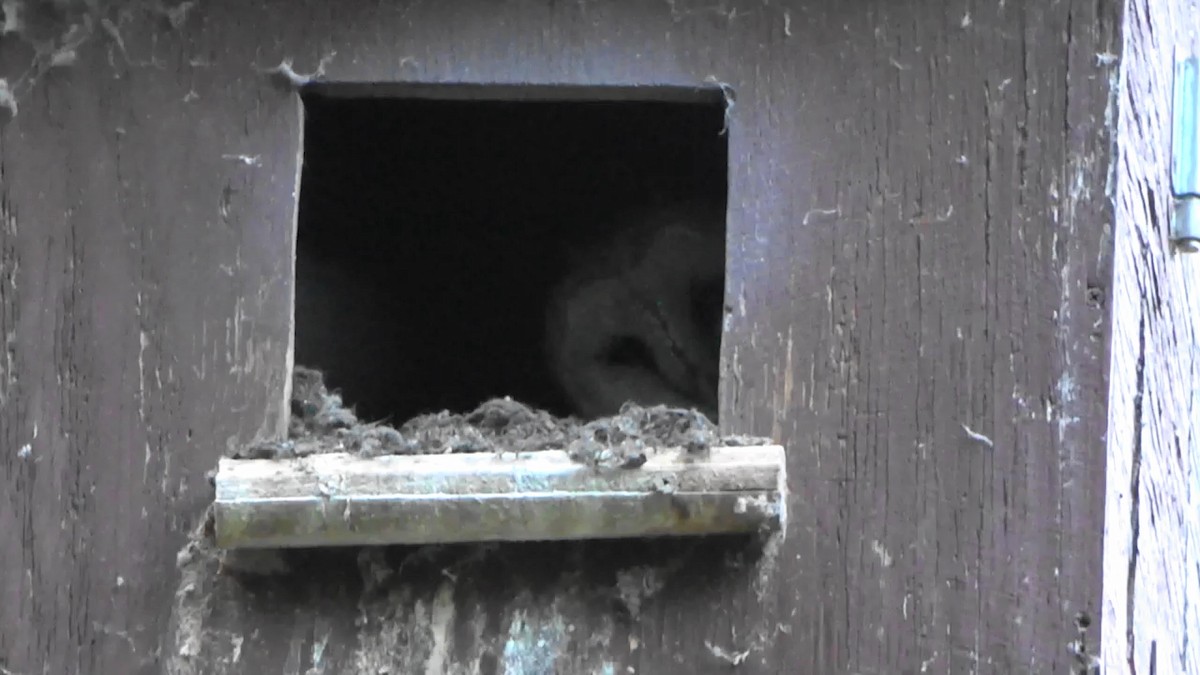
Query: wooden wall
[[920, 244], [1152, 531]]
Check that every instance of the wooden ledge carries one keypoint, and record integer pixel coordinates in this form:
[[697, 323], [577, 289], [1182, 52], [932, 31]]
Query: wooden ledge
[[345, 500]]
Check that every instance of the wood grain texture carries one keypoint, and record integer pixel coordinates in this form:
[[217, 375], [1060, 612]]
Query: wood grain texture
[[146, 275], [340, 499], [919, 244], [1152, 530]]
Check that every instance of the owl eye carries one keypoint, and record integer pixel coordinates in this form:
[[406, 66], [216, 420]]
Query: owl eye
[[627, 350]]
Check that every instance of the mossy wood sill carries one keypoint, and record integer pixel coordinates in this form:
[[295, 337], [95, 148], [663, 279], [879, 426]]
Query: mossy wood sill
[[344, 500]]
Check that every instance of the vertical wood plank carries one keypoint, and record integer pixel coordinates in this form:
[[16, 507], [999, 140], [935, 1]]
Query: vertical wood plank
[[1152, 524], [928, 271], [146, 302]]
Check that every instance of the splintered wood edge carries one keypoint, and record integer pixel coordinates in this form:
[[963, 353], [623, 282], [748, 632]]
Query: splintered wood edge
[[340, 499]]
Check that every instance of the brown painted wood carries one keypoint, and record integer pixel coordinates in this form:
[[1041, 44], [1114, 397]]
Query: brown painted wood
[[1152, 552], [145, 274], [919, 241]]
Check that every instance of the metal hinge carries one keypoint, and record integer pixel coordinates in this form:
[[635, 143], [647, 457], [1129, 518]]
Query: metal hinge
[[1185, 155]]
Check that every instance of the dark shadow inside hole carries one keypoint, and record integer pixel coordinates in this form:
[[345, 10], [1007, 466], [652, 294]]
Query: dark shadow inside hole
[[432, 231], [628, 350]]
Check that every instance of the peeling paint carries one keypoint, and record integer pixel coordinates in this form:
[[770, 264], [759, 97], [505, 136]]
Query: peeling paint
[[885, 557], [533, 643], [248, 160], [1067, 392], [317, 653], [441, 629]]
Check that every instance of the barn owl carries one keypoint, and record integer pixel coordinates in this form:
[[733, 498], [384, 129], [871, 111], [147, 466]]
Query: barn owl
[[640, 319]]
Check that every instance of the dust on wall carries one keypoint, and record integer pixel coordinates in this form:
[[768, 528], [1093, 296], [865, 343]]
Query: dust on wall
[[431, 608], [41, 35]]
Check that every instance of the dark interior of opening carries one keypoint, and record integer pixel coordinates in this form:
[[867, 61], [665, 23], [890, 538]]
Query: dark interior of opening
[[431, 233]]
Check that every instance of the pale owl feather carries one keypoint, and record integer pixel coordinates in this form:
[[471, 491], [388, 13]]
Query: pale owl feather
[[640, 287]]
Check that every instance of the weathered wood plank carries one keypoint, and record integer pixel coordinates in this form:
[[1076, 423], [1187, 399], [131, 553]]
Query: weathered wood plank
[[940, 242], [338, 499], [917, 244], [1152, 520], [146, 198]]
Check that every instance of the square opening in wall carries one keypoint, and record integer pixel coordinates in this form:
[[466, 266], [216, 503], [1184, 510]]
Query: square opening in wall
[[562, 247]]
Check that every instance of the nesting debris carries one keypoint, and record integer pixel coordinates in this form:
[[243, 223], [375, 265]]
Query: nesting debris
[[622, 440], [321, 423], [287, 76]]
